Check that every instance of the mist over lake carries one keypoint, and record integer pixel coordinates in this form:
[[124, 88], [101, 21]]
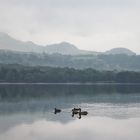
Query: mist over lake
[[69, 69], [27, 111]]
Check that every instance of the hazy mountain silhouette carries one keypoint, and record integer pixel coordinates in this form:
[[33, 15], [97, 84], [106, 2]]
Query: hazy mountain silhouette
[[66, 49], [120, 51], [9, 43]]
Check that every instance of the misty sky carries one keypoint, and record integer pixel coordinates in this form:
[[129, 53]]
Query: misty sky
[[96, 25]]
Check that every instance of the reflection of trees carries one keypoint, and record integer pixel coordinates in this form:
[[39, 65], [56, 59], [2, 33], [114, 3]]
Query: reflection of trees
[[23, 92], [29, 98]]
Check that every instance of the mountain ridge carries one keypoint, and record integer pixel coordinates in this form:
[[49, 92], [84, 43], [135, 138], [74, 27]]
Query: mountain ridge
[[9, 43]]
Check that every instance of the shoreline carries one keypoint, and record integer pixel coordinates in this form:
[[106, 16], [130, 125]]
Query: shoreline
[[73, 83]]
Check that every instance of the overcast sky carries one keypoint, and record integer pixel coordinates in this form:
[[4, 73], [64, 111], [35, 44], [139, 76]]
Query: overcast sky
[[96, 25]]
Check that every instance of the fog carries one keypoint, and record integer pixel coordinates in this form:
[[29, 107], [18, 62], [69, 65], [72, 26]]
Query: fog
[[91, 24]]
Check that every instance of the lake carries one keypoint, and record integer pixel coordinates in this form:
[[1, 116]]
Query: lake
[[27, 112]]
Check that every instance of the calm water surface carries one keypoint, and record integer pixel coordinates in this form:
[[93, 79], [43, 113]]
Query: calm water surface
[[27, 112]]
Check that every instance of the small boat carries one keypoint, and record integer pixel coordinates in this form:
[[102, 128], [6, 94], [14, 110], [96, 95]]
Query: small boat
[[57, 111]]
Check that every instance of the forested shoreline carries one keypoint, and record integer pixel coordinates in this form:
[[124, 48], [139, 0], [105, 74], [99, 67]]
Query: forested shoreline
[[28, 74]]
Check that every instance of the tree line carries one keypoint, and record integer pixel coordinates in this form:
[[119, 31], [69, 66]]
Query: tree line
[[21, 73], [98, 62]]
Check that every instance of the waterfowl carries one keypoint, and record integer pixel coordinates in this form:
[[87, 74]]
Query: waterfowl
[[75, 111], [83, 113], [57, 111]]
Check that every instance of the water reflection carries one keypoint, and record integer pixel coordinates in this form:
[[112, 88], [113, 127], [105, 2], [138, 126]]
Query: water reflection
[[45, 98], [25, 92], [98, 128], [27, 112]]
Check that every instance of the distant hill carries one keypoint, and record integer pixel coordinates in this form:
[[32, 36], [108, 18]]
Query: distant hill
[[66, 49], [120, 51], [9, 43], [62, 48]]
